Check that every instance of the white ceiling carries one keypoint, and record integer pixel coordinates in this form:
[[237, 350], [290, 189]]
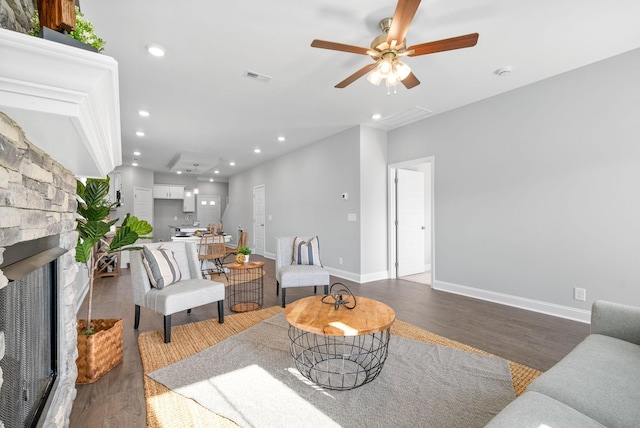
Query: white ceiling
[[202, 107]]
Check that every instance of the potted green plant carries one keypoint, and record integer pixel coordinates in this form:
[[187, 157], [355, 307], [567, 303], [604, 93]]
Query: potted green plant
[[83, 33], [100, 341], [243, 255]]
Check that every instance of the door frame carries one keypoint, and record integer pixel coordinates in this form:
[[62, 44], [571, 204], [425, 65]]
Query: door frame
[[260, 251], [392, 215]]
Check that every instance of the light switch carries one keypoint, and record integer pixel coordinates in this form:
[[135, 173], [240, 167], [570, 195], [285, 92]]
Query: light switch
[[351, 217]]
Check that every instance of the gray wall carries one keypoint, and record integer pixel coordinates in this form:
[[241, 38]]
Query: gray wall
[[132, 177], [373, 204], [536, 190], [303, 197]]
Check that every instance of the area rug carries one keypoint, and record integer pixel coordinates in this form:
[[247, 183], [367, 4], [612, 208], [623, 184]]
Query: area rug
[[270, 391]]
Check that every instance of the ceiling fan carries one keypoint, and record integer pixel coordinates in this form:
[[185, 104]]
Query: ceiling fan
[[387, 48]]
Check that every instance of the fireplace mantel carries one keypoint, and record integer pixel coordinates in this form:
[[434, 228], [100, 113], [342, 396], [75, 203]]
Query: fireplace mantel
[[65, 99]]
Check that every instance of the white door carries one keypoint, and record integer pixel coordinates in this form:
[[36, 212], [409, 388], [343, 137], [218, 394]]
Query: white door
[[258, 219], [410, 228], [208, 210], [143, 204]]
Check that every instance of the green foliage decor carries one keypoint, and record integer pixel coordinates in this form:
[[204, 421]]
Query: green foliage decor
[[92, 225], [84, 31], [244, 250]]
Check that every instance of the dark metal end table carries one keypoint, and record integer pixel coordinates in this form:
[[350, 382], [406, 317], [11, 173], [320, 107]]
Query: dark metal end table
[[246, 286]]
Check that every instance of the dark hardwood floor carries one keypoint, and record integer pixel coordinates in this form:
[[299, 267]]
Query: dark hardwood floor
[[536, 340]]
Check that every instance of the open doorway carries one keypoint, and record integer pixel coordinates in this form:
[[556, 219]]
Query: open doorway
[[411, 223]]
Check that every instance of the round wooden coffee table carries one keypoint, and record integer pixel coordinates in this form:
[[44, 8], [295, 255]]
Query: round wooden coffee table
[[339, 349]]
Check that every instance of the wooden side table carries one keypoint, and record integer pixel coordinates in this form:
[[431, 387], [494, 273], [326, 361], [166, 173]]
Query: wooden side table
[[246, 286], [339, 348]]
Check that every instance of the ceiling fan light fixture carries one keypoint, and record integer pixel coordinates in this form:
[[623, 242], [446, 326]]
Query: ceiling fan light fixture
[[375, 77], [392, 80], [384, 66], [402, 70]]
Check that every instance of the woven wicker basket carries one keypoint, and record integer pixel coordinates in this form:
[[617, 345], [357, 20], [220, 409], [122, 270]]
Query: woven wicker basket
[[99, 352]]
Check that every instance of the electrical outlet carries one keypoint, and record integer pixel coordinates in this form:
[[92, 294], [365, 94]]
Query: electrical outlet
[[579, 294], [340, 261]]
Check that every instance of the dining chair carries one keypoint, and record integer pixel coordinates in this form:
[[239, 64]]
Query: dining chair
[[211, 249], [242, 242]]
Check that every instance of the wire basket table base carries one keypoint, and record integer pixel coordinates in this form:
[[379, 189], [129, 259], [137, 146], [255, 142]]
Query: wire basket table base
[[339, 362]]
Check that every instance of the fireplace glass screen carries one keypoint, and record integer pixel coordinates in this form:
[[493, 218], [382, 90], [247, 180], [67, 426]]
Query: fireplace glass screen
[[28, 325]]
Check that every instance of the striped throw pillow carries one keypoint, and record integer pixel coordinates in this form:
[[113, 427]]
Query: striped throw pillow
[[161, 266], [306, 253]]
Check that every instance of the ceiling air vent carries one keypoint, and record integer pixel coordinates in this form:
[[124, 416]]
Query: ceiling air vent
[[256, 76], [397, 120]]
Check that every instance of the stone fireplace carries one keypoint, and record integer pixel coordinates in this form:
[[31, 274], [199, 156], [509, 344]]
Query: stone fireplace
[[59, 119], [37, 200]]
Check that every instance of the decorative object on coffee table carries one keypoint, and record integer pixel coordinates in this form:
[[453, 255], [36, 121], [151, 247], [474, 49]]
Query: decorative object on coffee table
[[337, 348], [340, 295]]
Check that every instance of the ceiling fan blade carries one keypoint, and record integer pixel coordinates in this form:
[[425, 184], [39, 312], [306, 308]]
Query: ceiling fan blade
[[459, 42], [410, 81], [402, 17], [355, 76], [339, 47]]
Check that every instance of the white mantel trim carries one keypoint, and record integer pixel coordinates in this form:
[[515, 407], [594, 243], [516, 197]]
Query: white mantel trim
[[65, 99]]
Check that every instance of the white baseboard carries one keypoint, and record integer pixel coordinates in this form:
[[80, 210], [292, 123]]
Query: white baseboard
[[344, 274], [358, 278], [376, 276], [567, 312]]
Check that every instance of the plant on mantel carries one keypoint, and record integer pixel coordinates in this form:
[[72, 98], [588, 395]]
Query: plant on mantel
[[93, 224], [83, 32]]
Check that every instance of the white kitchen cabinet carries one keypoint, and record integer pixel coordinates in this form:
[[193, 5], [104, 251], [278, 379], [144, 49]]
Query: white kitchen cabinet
[[168, 191], [189, 203]]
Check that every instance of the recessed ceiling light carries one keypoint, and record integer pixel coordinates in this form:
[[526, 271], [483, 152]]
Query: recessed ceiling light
[[232, 164], [136, 153], [134, 163], [140, 133], [143, 113], [156, 50], [256, 150], [281, 139], [376, 116], [211, 180], [216, 172], [178, 172]]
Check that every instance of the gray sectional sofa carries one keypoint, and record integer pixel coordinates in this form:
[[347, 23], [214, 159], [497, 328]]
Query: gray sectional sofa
[[596, 385]]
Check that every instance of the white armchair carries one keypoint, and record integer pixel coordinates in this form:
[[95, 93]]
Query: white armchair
[[295, 275], [189, 292]]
